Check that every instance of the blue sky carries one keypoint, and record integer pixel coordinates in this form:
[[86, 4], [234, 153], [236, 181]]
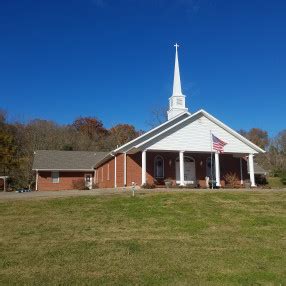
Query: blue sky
[[114, 59]]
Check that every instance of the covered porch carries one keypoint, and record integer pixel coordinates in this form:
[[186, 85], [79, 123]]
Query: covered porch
[[195, 168]]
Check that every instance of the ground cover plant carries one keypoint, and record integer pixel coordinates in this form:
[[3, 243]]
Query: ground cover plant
[[176, 238]]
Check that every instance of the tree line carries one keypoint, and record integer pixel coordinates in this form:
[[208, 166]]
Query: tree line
[[18, 141]]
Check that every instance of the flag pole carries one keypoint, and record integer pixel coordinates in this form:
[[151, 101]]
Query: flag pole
[[211, 140]]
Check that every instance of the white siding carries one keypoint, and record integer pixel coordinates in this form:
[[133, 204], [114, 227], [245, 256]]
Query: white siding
[[195, 136]]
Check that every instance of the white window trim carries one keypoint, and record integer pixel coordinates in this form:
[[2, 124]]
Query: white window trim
[[155, 170], [55, 175], [88, 175]]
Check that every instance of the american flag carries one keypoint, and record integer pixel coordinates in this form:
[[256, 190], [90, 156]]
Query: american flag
[[218, 144]]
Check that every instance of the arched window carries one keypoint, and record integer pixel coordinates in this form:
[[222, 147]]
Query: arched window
[[159, 167], [186, 159]]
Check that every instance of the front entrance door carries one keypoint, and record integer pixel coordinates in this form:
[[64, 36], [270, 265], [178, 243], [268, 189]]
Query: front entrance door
[[88, 181], [189, 170]]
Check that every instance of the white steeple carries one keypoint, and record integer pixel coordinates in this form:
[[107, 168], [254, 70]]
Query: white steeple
[[177, 100]]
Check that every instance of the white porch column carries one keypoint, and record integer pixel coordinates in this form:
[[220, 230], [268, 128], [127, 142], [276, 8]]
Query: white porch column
[[241, 175], [125, 171], [115, 171], [143, 167], [182, 171], [4, 183], [217, 170], [251, 170], [37, 179]]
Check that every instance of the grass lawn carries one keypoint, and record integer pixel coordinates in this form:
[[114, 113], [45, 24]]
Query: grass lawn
[[183, 238]]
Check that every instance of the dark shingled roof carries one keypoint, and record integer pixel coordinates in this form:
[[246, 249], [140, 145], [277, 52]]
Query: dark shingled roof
[[66, 160], [257, 169]]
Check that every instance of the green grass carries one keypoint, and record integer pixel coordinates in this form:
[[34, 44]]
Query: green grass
[[185, 238]]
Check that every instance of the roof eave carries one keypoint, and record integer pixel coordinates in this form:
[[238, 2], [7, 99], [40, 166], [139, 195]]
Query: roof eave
[[151, 130], [57, 169]]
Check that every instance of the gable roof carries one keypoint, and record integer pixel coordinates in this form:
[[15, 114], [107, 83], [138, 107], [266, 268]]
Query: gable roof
[[152, 132], [196, 115], [66, 160]]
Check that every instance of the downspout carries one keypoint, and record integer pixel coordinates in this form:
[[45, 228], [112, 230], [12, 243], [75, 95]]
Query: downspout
[[125, 171], [115, 170]]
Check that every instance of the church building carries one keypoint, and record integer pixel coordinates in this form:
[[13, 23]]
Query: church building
[[188, 149]]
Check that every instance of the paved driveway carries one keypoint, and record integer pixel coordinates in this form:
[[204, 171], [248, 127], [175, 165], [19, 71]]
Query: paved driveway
[[59, 194], [4, 196]]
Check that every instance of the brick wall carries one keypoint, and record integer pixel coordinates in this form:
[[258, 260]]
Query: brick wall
[[102, 173], [67, 180], [133, 165]]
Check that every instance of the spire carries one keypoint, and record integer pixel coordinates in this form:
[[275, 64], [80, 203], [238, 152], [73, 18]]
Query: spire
[[177, 100], [177, 89]]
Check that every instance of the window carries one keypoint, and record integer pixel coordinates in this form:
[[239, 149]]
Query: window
[[108, 172], [179, 101], [159, 167], [55, 177]]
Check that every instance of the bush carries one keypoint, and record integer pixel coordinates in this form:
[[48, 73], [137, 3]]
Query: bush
[[231, 179], [261, 180], [283, 179], [79, 184], [281, 174], [191, 186], [148, 186]]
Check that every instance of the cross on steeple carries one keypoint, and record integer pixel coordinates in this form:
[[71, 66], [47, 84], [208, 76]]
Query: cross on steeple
[[176, 46]]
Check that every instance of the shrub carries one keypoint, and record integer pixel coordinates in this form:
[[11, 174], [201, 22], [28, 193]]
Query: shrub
[[231, 179], [79, 184], [281, 174], [148, 186], [191, 186], [261, 180], [283, 179]]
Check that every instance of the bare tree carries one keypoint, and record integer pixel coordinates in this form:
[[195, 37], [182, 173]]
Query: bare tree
[[158, 115]]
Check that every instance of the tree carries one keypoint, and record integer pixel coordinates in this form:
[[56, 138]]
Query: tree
[[90, 126], [8, 151], [121, 134], [158, 116], [277, 153], [280, 142], [256, 136]]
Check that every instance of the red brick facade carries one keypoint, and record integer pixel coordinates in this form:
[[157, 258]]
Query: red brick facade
[[105, 177], [228, 164], [67, 180]]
